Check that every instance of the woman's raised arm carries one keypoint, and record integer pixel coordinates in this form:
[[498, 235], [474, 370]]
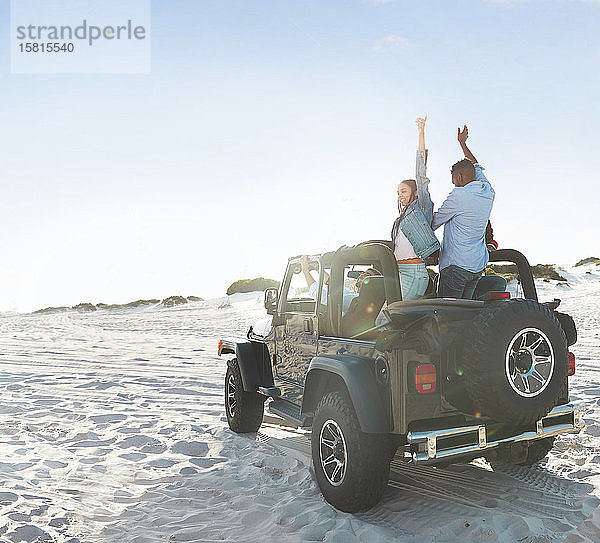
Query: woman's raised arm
[[421, 126], [424, 198]]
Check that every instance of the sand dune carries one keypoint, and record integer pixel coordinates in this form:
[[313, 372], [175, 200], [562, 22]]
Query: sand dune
[[112, 429]]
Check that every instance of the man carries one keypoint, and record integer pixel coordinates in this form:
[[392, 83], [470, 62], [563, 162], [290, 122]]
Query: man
[[465, 215]]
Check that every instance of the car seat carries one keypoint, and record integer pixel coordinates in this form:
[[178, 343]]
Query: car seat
[[489, 283], [365, 307]]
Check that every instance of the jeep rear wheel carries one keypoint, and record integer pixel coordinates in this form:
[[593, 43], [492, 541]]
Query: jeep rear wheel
[[515, 361], [244, 410], [351, 467]]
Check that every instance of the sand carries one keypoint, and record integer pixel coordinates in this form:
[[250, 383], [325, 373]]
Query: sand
[[112, 428]]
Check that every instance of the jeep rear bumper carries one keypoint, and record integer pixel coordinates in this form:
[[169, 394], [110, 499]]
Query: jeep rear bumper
[[436, 445]]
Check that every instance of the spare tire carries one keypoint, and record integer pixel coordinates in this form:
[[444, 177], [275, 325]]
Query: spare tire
[[515, 361]]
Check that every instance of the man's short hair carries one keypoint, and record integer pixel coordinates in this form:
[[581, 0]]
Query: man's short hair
[[464, 166]]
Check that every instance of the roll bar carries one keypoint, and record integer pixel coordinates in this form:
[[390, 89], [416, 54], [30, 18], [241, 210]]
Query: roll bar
[[523, 267], [373, 252]]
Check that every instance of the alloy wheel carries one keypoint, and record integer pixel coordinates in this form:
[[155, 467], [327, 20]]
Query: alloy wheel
[[333, 452], [231, 401], [529, 362]]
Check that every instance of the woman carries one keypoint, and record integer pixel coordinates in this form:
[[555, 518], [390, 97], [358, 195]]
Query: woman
[[413, 239]]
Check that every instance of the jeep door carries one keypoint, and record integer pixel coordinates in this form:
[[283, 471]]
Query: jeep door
[[295, 331]]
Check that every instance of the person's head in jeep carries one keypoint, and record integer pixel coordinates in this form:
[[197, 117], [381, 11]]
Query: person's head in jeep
[[463, 172], [407, 192], [363, 277]]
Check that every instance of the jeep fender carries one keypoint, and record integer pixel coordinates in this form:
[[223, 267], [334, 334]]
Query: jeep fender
[[367, 395], [568, 325], [251, 361]]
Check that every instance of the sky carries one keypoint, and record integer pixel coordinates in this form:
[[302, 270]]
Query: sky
[[268, 129]]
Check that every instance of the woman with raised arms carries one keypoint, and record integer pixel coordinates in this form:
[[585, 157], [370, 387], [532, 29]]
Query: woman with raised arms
[[413, 239]]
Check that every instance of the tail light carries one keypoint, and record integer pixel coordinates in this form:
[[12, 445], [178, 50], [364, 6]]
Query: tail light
[[425, 378], [496, 295], [571, 364], [220, 347]]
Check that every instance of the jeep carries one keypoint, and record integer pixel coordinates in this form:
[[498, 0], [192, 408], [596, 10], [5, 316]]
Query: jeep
[[433, 380]]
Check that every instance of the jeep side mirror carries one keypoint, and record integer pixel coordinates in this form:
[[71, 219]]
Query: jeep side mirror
[[271, 299]]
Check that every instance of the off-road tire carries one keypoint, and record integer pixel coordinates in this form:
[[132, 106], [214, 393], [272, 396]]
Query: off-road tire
[[486, 365], [244, 410], [367, 456]]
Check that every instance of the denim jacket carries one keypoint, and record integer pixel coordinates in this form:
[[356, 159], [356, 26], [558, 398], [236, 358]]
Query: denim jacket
[[416, 222]]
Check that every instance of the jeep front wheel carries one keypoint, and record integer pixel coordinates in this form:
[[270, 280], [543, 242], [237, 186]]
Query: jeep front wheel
[[244, 410], [351, 467]]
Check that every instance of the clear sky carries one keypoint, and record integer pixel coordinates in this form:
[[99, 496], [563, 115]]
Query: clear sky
[[273, 128]]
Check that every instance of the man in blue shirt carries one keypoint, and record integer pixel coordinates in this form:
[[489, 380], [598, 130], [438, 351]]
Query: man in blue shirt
[[465, 215]]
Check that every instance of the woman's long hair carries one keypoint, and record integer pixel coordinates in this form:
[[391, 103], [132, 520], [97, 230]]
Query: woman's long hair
[[412, 185]]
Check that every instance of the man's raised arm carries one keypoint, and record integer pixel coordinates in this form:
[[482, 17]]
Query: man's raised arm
[[462, 140]]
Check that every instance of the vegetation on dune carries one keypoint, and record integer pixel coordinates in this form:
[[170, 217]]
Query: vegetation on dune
[[589, 260], [137, 303], [88, 307], [60, 309], [252, 285], [509, 271], [539, 271], [174, 300], [84, 307], [547, 271]]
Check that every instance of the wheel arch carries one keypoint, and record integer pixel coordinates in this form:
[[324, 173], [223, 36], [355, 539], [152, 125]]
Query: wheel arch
[[254, 364], [355, 375], [568, 325]]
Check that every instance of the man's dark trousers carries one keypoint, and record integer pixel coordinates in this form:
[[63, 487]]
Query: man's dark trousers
[[456, 282]]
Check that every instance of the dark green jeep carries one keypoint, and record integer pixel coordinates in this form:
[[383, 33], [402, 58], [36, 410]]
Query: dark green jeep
[[432, 380]]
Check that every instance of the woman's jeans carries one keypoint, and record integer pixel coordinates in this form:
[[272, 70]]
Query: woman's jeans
[[413, 280], [456, 282]]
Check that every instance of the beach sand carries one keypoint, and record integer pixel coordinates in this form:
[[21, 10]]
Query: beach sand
[[112, 428]]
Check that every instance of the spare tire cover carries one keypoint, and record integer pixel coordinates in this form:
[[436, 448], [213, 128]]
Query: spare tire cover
[[515, 361]]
